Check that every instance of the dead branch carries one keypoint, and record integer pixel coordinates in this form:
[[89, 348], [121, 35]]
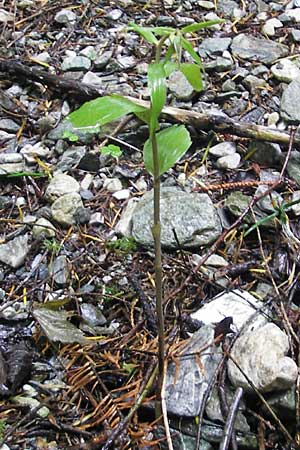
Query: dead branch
[[220, 123]]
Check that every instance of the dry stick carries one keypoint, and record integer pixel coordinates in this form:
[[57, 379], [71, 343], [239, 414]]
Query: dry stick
[[228, 429], [223, 236], [218, 122]]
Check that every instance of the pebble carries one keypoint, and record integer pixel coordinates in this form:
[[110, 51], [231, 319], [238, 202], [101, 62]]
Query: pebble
[[286, 70], [64, 209], [65, 16], [60, 185], [229, 161], [43, 228], [223, 149], [76, 63], [14, 252], [123, 194]]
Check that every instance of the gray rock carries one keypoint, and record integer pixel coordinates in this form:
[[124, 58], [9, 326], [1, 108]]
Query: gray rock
[[65, 16], [71, 158], [30, 152], [115, 14], [15, 251], [293, 14], [9, 158], [295, 35], [220, 64], [227, 7], [4, 136], [112, 184], [223, 149], [240, 305], [270, 26], [124, 226], [92, 315], [193, 216], [6, 169], [180, 86], [265, 153], [64, 209], [267, 203], [214, 46], [285, 70], [43, 228], [187, 381], [84, 136], [92, 78], [102, 60], [290, 100], [229, 161], [9, 125], [90, 52], [60, 185], [58, 269], [126, 62], [296, 208], [261, 355], [293, 167], [254, 83], [257, 49], [76, 63]]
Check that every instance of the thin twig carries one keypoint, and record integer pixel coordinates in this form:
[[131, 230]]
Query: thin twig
[[228, 429]]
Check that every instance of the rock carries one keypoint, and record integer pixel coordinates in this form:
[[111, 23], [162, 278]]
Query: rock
[[179, 85], [229, 161], [112, 184], [293, 14], [240, 305], [72, 158], [267, 203], [293, 167], [30, 152], [6, 169], [9, 125], [59, 271], [123, 194], [285, 70], [257, 49], [96, 219], [261, 355], [65, 16], [90, 52], [124, 226], [14, 252], [223, 149], [92, 315], [187, 381], [76, 63], [115, 14], [295, 34], [64, 208], [42, 229], [296, 208], [10, 158], [102, 60], [254, 83], [193, 216], [92, 78], [5, 137], [126, 62], [5, 16], [60, 185], [214, 46], [270, 26], [215, 260], [220, 64], [237, 202], [265, 153], [290, 100]]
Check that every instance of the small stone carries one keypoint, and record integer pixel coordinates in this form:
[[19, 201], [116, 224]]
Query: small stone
[[124, 226], [285, 70], [214, 46], [76, 63], [65, 16], [64, 209], [9, 125], [254, 83], [265, 153], [101, 61], [257, 49], [58, 269], [296, 208], [229, 161], [115, 14], [295, 34], [92, 315], [90, 52], [216, 261], [270, 26], [112, 184], [290, 101], [223, 149], [5, 16], [10, 158], [43, 228], [126, 62], [293, 14], [14, 252], [92, 78], [31, 152], [273, 118], [60, 185], [123, 194], [96, 219], [180, 87]]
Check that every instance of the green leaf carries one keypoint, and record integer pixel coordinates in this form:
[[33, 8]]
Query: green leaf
[[70, 136], [192, 73], [158, 92], [170, 67], [190, 49], [145, 32], [172, 143], [102, 110], [112, 150], [176, 41], [260, 222], [200, 25]]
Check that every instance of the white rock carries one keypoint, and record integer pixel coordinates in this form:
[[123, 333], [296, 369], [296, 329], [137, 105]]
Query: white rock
[[293, 14], [123, 194], [15, 251], [60, 185], [223, 149], [240, 305], [270, 25], [261, 355], [112, 184], [124, 226], [5, 16], [229, 161], [92, 78], [285, 70], [273, 119], [65, 16], [96, 219], [43, 228]]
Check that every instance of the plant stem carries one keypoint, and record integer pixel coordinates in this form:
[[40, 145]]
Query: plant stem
[[156, 232]]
